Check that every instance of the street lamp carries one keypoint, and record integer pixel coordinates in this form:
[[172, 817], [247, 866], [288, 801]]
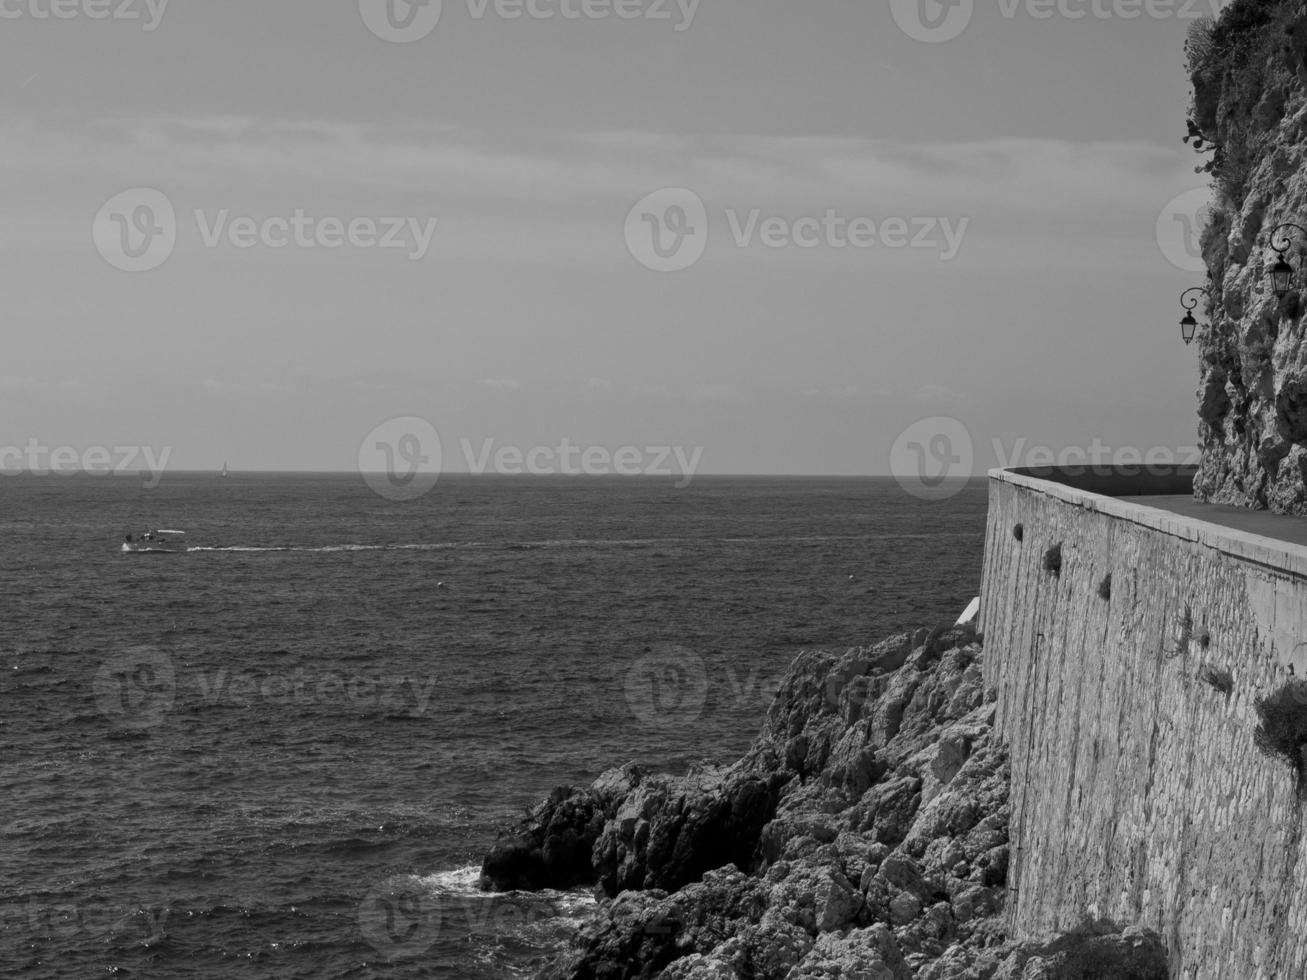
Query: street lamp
[[1282, 271], [1188, 325]]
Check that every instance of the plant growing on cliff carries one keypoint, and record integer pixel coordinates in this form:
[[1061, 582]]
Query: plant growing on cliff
[[1228, 63], [1282, 733], [1199, 47], [1199, 44]]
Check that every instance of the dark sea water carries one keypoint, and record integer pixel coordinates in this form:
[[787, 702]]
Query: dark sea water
[[284, 754]]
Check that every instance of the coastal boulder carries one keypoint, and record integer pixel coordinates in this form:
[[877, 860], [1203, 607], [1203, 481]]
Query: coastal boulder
[[863, 954], [552, 847], [863, 835], [1132, 954], [671, 830], [641, 934]]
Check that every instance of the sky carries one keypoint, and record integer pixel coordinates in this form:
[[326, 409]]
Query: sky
[[283, 234]]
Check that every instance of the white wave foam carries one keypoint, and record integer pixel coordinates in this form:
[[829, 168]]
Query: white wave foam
[[240, 549], [465, 883], [574, 904], [461, 881]]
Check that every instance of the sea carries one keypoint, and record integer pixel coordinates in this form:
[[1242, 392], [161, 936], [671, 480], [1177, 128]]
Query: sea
[[285, 753]]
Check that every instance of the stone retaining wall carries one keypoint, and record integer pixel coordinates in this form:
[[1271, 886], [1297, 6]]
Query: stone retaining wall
[[1138, 794]]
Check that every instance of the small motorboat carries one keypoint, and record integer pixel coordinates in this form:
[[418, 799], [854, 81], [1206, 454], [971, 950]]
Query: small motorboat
[[156, 543]]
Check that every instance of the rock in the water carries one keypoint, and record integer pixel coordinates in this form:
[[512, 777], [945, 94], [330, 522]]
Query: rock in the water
[[552, 847], [863, 835]]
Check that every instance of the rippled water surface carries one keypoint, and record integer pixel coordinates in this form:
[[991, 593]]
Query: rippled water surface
[[283, 754]]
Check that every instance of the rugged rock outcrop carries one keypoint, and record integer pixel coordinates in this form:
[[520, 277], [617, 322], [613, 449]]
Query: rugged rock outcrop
[[863, 835], [1249, 118]]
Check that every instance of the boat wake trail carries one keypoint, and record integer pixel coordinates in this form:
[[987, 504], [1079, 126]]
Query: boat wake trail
[[329, 549]]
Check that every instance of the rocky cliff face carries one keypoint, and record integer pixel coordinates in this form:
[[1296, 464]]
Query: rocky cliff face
[[1249, 116], [864, 835]]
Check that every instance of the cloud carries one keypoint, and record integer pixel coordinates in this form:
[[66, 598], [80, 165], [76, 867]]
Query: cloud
[[243, 157], [936, 394], [691, 393], [561, 201], [845, 393]]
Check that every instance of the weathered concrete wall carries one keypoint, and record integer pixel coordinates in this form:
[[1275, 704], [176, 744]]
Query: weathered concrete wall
[[1138, 793]]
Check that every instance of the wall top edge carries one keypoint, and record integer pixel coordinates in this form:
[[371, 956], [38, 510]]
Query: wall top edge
[[1284, 556]]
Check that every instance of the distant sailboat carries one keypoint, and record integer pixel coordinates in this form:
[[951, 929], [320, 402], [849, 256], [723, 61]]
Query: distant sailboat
[[225, 474]]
